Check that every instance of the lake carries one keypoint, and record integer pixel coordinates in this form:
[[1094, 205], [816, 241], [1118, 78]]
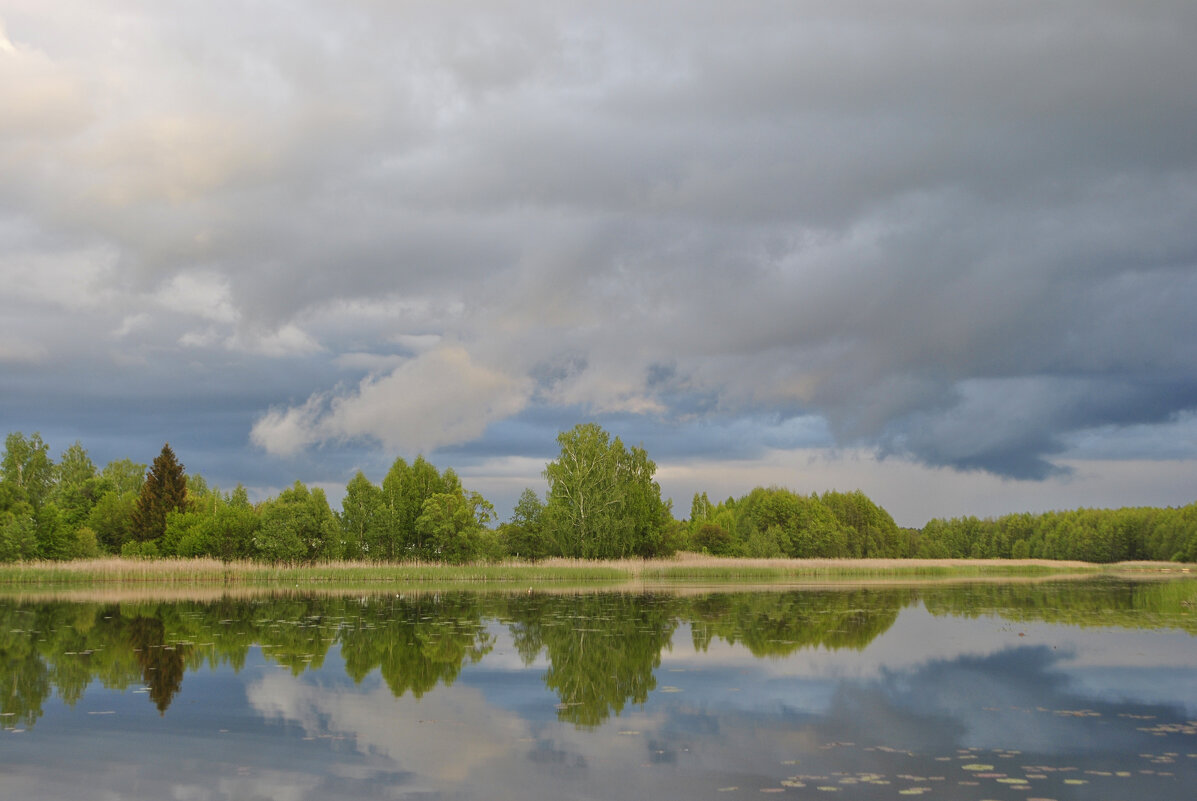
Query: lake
[[1058, 689]]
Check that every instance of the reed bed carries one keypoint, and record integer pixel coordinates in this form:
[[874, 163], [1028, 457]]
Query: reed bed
[[799, 569], [681, 569], [211, 571]]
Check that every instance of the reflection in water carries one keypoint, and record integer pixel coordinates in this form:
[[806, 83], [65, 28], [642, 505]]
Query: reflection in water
[[602, 649], [415, 644], [161, 664], [964, 692]]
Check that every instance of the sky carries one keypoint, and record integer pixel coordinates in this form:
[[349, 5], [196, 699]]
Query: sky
[[942, 251]]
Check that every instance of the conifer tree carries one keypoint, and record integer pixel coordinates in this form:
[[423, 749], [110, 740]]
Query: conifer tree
[[164, 491]]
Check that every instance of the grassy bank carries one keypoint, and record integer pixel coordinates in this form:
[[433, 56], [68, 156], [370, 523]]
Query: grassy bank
[[684, 569], [94, 572]]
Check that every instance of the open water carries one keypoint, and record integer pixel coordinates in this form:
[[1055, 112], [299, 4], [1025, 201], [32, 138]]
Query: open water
[[1082, 689]]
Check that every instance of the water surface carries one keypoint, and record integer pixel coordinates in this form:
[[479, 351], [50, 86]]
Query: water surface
[[1077, 689]]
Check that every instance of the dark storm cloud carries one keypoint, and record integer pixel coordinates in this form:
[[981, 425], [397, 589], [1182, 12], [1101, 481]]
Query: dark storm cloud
[[958, 233]]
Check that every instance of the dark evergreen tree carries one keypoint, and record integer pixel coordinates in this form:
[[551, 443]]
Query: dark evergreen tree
[[164, 491]]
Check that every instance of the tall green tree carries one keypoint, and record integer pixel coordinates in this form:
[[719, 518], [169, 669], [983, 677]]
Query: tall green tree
[[123, 475], [164, 491], [26, 466], [18, 526], [77, 486], [602, 501], [405, 488], [449, 529], [525, 534], [231, 529], [363, 519]]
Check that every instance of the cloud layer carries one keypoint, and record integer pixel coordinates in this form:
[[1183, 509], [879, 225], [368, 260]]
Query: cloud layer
[[953, 233]]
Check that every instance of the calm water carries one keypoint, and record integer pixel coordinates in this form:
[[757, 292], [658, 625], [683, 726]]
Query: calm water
[[992, 691]]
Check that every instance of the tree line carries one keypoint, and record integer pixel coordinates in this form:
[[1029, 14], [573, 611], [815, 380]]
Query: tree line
[[601, 502], [1088, 535]]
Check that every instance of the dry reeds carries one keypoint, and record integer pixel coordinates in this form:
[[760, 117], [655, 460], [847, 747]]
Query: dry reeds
[[683, 568]]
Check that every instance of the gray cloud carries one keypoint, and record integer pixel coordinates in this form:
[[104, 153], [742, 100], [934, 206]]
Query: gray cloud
[[959, 234]]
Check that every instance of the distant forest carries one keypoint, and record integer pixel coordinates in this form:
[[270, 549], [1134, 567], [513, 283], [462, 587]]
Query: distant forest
[[601, 502]]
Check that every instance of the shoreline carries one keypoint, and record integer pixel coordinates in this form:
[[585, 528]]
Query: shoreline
[[684, 569]]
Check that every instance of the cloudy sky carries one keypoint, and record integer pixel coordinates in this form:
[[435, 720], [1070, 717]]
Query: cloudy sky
[[944, 251]]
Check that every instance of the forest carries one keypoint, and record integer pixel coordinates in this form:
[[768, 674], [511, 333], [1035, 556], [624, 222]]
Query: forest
[[601, 502]]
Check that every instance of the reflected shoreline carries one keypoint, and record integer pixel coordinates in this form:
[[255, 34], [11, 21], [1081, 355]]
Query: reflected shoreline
[[603, 646]]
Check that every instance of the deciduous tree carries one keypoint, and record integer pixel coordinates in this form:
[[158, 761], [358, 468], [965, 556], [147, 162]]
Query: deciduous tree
[[602, 501]]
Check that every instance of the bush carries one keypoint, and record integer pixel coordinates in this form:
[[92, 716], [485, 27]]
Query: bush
[[139, 550]]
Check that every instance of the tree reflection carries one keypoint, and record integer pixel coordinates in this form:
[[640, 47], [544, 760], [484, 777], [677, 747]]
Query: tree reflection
[[161, 664], [779, 624], [603, 650], [415, 644]]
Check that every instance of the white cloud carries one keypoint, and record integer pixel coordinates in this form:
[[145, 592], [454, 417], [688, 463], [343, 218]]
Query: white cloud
[[440, 397], [413, 735], [40, 98], [131, 324], [286, 340], [289, 430], [199, 294]]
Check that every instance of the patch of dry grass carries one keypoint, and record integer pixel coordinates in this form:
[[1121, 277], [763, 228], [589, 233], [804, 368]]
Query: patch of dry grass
[[682, 568]]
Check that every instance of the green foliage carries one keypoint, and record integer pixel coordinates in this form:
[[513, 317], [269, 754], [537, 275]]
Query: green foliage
[[874, 533], [525, 535], [363, 519], [700, 510], [298, 526], [1091, 535], [185, 534], [18, 533], [713, 539], [448, 528], [602, 501], [136, 549], [405, 488], [26, 467], [86, 545], [123, 475], [801, 526], [229, 533], [55, 539], [111, 518], [164, 491], [77, 485], [767, 544]]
